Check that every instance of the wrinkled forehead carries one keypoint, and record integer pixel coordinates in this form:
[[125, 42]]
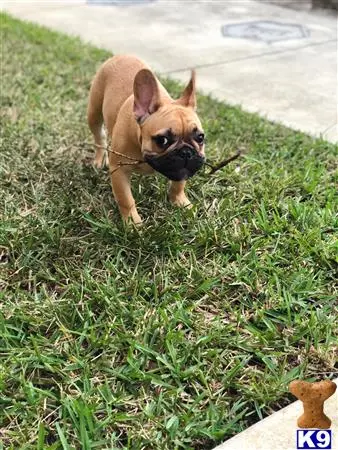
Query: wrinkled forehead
[[181, 121]]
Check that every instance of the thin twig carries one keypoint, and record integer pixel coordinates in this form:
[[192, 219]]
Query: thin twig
[[119, 164], [224, 163], [138, 161], [331, 372], [124, 156], [114, 151]]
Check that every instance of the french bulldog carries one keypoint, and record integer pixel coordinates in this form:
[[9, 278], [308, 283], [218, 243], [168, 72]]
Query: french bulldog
[[148, 130]]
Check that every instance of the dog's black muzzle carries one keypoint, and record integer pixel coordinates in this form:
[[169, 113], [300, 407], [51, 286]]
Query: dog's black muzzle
[[178, 164]]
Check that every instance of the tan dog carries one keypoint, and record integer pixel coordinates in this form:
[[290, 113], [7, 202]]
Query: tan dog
[[144, 124]]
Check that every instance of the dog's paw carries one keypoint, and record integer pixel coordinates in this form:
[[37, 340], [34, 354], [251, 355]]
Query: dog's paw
[[131, 218], [97, 164], [100, 162], [181, 201]]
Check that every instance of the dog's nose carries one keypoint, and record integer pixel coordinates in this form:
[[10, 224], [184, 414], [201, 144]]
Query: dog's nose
[[186, 153]]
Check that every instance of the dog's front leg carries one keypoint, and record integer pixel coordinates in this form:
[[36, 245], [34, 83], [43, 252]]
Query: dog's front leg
[[177, 195], [120, 180]]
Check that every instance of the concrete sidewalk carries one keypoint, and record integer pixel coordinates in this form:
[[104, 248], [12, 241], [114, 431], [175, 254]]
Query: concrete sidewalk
[[283, 66]]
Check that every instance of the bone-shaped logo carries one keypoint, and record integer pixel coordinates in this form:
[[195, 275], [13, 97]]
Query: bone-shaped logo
[[313, 396]]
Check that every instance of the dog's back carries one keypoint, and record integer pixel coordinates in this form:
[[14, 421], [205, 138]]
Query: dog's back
[[111, 86]]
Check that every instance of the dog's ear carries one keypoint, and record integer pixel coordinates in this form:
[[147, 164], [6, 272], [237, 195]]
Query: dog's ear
[[146, 95], [188, 98]]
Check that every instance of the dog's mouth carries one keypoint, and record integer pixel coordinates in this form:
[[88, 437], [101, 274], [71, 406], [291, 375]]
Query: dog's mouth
[[178, 164]]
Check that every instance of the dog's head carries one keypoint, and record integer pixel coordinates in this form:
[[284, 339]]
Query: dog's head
[[172, 138]]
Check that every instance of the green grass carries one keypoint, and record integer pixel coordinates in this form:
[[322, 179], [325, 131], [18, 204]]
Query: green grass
[[175, 337]]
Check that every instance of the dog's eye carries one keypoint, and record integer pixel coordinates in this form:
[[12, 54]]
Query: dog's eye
[[200, 138], [161, 141]]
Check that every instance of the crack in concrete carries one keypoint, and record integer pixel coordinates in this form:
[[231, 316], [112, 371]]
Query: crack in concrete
[[244, 58]]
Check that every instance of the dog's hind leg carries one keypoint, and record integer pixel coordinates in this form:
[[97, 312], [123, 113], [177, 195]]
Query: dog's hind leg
[[95, 122], [100, 159]]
